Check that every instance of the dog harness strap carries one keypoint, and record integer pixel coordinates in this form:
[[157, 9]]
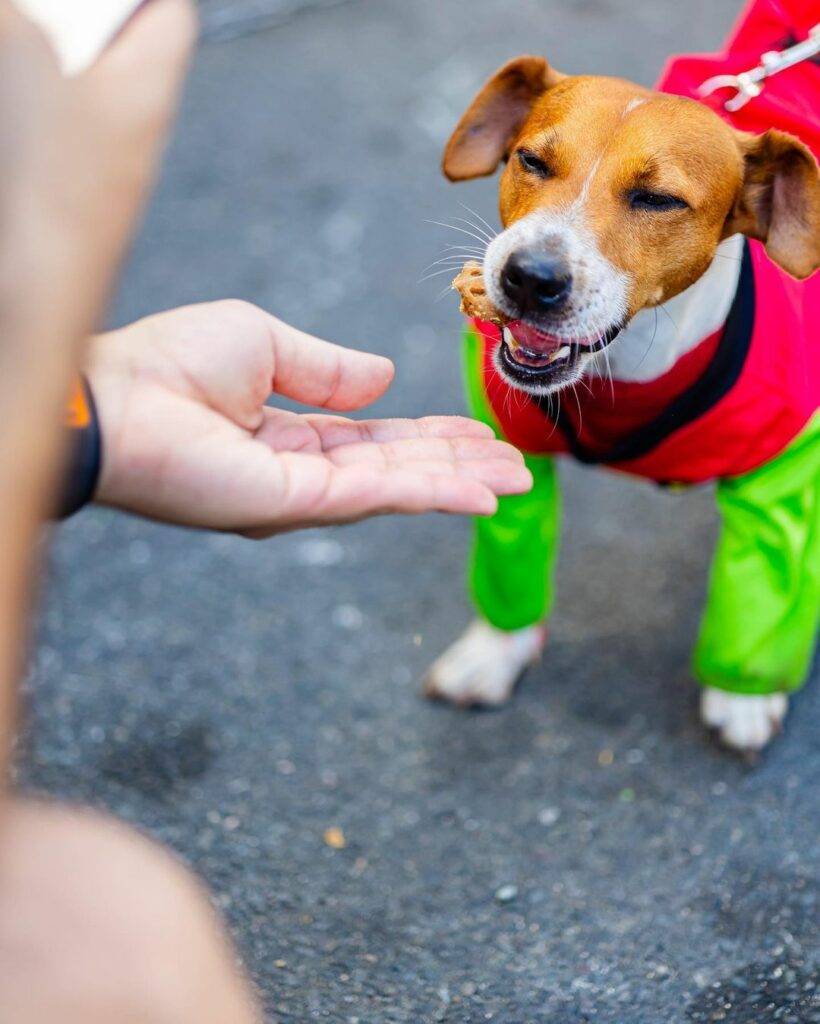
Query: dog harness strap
[[718, 379], [749, 84], [85, 455], [789, 100]]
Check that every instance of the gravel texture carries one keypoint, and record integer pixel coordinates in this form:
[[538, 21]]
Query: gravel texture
[[585, 854]]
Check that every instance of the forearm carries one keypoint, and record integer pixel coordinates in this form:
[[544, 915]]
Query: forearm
[[32, 396], [45, 314]]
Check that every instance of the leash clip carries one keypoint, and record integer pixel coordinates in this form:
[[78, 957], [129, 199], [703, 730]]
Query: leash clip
[[749, 84]]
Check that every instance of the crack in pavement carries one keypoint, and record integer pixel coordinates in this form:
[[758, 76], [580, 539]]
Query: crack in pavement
[[223, 20]]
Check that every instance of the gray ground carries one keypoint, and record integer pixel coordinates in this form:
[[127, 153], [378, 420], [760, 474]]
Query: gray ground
[[237, 700]]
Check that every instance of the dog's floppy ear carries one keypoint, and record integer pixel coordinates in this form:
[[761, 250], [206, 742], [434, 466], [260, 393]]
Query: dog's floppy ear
[[779, 200], [484, 133]]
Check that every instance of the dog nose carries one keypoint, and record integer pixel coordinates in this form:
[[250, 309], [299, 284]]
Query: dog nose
[[535, 282]]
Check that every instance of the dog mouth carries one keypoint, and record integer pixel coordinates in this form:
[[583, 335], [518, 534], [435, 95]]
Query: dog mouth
[[531, 356]]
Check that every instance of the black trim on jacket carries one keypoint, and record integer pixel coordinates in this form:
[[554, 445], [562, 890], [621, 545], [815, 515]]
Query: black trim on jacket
[[715, 382]]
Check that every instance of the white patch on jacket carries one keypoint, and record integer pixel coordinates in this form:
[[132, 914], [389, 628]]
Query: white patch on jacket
[[655, 339]]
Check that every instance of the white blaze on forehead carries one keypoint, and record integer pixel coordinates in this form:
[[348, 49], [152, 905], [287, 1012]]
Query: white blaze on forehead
[[583, 195], [632, 105]]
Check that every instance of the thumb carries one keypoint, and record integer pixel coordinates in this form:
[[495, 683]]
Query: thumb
[[320, 373]]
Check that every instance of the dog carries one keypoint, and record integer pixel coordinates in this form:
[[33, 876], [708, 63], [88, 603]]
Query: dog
[[620, 203]]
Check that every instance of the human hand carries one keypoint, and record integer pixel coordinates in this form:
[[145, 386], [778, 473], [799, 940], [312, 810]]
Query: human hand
[[188, 439]]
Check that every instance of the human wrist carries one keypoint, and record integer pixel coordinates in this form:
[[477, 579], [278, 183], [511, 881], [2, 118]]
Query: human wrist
[[81, 472], [107, 379]]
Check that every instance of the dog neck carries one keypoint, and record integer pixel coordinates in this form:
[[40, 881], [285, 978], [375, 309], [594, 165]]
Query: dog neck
[[655, 339]]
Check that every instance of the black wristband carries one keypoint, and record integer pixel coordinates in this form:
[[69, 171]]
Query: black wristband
[[84, 458]]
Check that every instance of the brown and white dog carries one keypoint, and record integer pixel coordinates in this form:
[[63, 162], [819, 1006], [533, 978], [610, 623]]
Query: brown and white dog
[[615, 199]]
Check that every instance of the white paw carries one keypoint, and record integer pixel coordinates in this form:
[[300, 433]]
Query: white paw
[[484, 664], [743, 721]]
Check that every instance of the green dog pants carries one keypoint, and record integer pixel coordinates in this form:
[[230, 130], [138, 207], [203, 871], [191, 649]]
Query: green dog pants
[[762, 611]]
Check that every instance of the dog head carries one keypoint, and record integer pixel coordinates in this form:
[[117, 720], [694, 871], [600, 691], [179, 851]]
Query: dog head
[[614, 198]]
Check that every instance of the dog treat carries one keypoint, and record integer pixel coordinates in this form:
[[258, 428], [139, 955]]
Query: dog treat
[[474, 299]]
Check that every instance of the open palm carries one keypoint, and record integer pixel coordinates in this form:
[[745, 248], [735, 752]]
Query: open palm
[[188, 438]]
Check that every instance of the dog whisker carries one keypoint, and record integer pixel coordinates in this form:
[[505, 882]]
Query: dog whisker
[[453, 261], [585, 382], [608, 370], [476, 227], [578, 403], [651, 342], [466, 248], [490, 228], [663, 309], [466, 254], [436, 273], [454, 227], [554, 416]]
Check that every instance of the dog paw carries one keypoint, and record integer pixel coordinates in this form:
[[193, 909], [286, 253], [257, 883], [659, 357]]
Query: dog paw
[[482, 667], [744, 722]]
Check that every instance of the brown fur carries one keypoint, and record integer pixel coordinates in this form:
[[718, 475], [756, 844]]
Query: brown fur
[[767, 187]]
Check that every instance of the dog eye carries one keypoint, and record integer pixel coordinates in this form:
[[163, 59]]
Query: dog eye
[[644, 199], [535, 165]]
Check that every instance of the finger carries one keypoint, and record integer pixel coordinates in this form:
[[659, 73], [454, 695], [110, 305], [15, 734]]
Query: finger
[[317, 372], [13, 20], [455, 450], [499, 475], [409, 493], [283, 430], [127, 100], [160, 32], [365, 489], [336, 430], [134, 85], [23, 45]]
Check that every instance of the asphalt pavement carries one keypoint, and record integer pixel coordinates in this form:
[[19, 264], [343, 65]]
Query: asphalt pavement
[[586, 854]]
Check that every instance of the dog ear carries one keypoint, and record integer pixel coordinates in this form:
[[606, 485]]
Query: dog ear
[[491, 122], [779, 200]]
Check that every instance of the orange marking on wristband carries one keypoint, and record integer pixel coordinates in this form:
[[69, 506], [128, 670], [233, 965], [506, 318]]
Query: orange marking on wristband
[[78, 415]]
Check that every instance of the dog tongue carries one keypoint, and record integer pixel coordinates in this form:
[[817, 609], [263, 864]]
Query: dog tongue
[[531, 338]]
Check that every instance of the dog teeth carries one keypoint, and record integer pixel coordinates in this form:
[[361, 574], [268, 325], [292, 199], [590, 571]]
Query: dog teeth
[[559, 353]]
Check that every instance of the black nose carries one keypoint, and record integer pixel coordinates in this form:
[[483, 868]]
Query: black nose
[[535, 282]]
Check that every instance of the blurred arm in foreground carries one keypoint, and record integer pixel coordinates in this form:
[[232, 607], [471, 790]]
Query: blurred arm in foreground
[[96, 923], [78, 157]]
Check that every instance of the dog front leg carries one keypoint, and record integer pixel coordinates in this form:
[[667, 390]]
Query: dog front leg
[[511, 576], [511, 580], [482, 667]]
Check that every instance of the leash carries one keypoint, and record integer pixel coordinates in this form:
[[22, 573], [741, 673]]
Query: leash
[[748, 84]]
